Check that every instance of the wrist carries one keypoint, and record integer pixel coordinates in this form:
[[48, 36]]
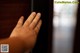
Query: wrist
[[20, 43]]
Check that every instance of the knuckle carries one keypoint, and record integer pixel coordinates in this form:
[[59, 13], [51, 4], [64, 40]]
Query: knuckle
[[34, 22], [36, 30], [27, 21]]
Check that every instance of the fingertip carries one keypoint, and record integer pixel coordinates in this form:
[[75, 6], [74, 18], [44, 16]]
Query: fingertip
[[39, 13], [22, 17], [33, 12]]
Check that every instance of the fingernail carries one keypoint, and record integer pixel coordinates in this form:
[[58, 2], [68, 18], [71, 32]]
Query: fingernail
[[39, 14], [33, 12]]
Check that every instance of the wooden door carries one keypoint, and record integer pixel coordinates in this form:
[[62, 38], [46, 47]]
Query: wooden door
[[10, 12]]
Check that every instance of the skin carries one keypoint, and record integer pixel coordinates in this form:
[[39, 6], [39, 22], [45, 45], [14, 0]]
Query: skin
[[24, 35]]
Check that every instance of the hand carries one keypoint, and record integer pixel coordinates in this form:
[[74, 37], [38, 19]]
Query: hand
[[28, 31]]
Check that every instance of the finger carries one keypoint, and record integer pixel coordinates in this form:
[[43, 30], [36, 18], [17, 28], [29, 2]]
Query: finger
[[35, 21], [20, 22], [37, 28], [29, 20]]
